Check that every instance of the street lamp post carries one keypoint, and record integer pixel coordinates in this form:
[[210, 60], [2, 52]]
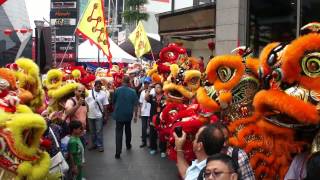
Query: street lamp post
[[39, 25]]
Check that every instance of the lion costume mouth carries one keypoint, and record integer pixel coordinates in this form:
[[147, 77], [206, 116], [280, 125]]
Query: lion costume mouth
[[22, 134], [20, 141], [286, 111], [284, 120], [177, 92]]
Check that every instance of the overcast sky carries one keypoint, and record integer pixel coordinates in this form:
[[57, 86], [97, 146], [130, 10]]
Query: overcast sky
[[38, 9]]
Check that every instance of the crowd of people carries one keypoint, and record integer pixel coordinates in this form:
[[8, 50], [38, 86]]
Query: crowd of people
[[138, 98], [236, 118]]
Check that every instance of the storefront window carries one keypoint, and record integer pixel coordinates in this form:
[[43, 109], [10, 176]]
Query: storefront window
[[271, 20], [310, 11], [200, 2]]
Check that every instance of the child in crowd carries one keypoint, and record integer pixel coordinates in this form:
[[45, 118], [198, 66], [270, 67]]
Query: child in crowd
[[76, 150]]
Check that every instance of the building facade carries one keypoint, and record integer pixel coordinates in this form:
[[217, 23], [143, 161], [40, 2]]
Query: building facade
[[253, 23], [16, 44], [64, 16]]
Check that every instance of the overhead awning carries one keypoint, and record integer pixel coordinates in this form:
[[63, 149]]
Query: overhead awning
[[89, 53], [192, 23]]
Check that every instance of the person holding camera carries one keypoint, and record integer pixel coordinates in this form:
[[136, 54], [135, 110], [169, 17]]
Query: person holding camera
[[208, 141], [75, 107], [97, 101]]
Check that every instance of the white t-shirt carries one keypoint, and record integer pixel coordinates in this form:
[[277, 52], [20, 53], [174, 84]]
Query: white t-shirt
[[145, 106], [153, 92], [93, 109]]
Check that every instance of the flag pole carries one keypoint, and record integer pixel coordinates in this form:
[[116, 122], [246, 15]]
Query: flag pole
[[64, 54], [152, 52], [98, 57]]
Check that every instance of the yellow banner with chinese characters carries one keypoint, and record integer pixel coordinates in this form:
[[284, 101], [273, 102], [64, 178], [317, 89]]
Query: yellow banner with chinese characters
[[140, 40], [92, 26]]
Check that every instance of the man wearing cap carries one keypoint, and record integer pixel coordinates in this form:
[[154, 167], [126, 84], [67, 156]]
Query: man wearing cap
[[97, 101], [145, 110]]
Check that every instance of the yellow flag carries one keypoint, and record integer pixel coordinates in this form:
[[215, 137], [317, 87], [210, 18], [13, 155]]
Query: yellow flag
[[140, 40], [92, 26]]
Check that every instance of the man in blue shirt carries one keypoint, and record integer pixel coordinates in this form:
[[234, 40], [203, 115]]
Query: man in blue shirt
[[125, 102]]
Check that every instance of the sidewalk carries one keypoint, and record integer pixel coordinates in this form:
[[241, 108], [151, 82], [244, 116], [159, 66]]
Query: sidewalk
[[135, 164]]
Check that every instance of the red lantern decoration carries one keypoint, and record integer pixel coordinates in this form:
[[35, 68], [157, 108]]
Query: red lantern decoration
[[2, 1], [23, 30], [8, 32], [211, 45]]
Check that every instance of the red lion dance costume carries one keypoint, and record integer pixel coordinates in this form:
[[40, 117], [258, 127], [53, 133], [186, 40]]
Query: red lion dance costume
[[181, 109]]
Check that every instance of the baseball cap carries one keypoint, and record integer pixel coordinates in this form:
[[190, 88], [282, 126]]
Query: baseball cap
[[147, 80]]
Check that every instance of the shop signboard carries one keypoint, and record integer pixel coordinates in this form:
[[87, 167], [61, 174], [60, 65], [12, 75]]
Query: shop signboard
[[64, 21], [65, 30], [62, 47], [64, 39], [121, 37], [64, 5], [67, 56], [63, 14]]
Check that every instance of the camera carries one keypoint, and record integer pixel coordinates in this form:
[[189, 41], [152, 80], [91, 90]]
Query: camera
[[83, 95], [178, 131]]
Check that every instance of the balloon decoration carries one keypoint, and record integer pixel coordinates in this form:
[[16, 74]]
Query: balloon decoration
[[23, 31]]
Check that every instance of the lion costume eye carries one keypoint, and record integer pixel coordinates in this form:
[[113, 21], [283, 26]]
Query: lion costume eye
[[225, 73], [311, 65]]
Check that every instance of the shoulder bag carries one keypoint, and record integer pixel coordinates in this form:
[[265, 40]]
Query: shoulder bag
[[58, 162], [94, 98]]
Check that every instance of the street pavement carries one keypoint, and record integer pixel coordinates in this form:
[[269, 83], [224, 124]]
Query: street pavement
[[135, 164]]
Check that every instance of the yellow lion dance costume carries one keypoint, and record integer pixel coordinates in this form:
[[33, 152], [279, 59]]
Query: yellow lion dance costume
[[20, 133]]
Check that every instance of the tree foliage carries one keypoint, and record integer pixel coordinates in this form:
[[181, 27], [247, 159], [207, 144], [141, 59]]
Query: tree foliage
[[132, 14], [136, 2]]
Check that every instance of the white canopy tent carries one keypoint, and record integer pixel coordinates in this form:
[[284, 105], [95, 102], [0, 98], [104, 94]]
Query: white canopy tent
[[89, 53]]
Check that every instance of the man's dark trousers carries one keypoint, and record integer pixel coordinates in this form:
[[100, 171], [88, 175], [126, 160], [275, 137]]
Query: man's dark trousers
[[119, 134], [144, 121]]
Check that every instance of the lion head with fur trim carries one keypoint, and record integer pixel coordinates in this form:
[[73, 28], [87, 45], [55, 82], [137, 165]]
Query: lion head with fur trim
[[234, 84], [182, 83], [58, 90], [29, 83], [21, 156]]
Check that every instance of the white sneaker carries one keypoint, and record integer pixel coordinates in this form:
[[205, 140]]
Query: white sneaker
[[153, 152], [163, 155]]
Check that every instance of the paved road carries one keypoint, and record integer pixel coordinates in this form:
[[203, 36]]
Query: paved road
[[135, 164]]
